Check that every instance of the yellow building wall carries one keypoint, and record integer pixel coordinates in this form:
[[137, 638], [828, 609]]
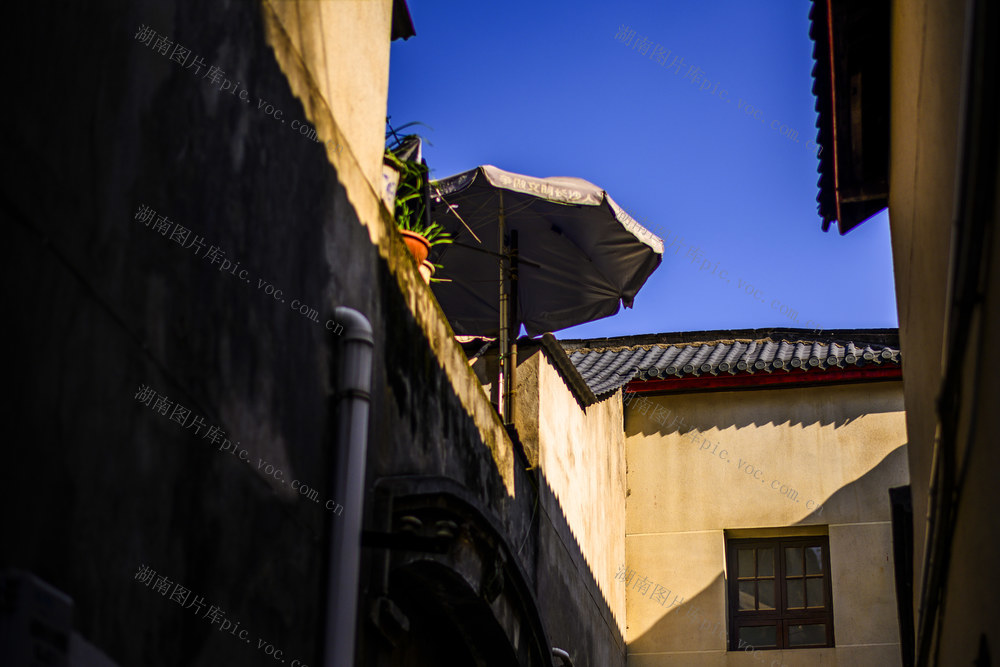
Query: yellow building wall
[[344, 44], [581, 453], [926, 88], [335, 55], [929, 41], [821, 461]]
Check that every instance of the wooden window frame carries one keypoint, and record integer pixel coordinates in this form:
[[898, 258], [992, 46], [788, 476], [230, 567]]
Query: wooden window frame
[[780, 617]]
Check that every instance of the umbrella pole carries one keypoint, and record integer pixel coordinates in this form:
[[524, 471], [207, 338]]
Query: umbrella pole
[[503, 379], [514, 326]]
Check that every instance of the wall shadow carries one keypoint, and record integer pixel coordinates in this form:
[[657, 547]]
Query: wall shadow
[[691, 619]]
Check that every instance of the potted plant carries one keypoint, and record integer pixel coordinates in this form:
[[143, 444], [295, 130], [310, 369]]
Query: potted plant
[[412, 216], [404, 148]]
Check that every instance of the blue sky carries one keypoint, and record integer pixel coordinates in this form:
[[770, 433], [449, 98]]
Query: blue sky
[[549, 88]]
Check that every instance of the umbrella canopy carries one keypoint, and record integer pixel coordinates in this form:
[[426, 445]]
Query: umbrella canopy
[[579, 255]]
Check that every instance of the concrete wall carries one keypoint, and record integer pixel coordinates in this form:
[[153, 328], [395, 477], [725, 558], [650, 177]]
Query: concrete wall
[[928, 46], [582, 455], [349, 74], [840, 447], [101, 484], [926, 89], [107, 304]]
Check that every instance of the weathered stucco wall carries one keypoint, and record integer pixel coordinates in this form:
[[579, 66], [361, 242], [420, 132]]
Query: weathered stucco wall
[[298, 62], [926, 89], [839, 447], [349, 75], [581, 453], [104, 484], [929, 42], [108, 304]]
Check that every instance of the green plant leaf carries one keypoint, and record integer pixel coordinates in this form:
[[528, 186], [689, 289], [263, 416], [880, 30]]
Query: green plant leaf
[[410, 207]]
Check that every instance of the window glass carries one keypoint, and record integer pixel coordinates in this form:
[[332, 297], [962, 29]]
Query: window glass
[[814, 591], [814, 560], [793, 561], [747, 595], [745, 558], [765, 562], [803, 635], [766, 588], [794, 594], [759, 636]]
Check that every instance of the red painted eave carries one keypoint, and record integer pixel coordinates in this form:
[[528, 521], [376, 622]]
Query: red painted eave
[[763, 379]]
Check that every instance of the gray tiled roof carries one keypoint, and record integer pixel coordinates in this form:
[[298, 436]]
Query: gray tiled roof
[[609, 363]]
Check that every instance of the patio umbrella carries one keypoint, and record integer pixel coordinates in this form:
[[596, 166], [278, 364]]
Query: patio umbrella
[[548, 253]]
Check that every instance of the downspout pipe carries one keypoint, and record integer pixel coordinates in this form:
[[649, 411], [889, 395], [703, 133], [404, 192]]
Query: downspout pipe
[[352, 399]]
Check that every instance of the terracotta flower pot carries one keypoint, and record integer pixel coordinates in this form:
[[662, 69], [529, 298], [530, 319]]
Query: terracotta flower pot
[[417, 244]]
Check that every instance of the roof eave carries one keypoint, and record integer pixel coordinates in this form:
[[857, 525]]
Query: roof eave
[[762, 380], [850, 82]]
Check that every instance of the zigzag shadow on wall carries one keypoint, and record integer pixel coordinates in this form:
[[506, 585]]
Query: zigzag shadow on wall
[[831, 412], [700, 622]]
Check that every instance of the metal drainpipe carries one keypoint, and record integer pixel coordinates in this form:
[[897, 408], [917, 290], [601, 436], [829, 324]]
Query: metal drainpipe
[[563, 656], [352, 396]]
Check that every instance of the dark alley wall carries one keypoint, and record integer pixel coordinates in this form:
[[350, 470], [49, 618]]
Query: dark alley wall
[[109, 307]]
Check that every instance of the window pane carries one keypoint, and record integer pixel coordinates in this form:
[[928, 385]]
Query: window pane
[[745, 560], [814, 591], [803, 635], [747, 595], [766, 588], [759, 636], [814, 560], [795, 597], [765, 562], [793, 560]]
